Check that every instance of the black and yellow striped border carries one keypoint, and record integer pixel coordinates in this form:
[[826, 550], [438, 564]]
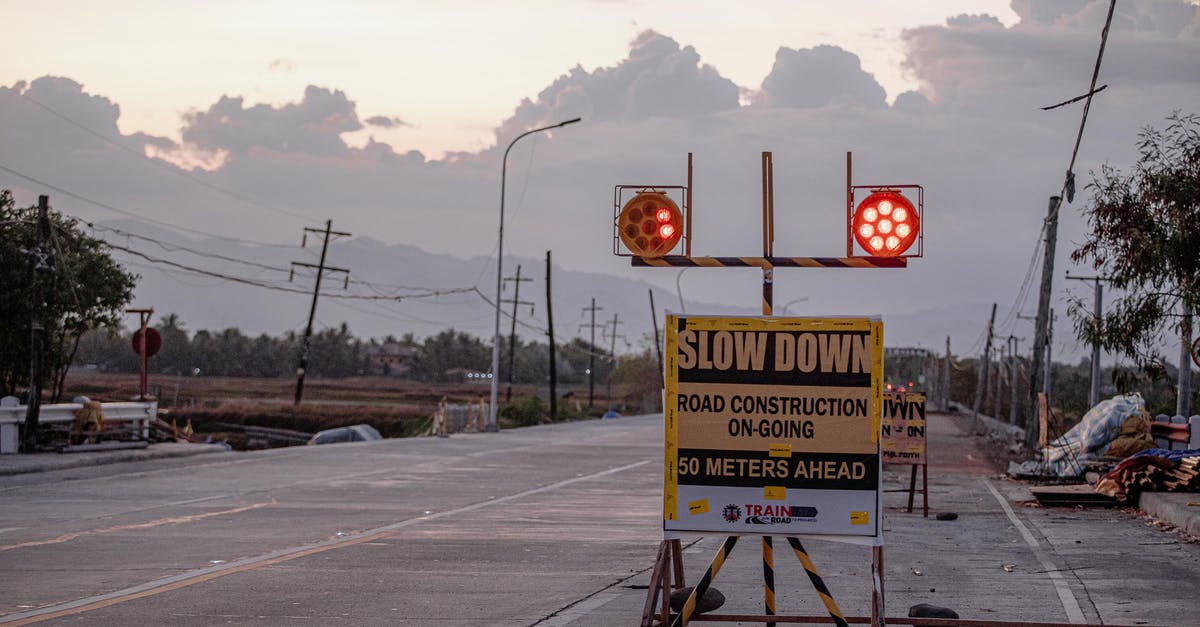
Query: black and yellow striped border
[[770, 262], [818, 584]]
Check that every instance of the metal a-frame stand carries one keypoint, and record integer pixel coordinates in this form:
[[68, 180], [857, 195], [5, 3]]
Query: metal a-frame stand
[[668, 565]]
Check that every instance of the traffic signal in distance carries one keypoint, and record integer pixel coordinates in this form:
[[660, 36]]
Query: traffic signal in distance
[[650, 224], [885, 224]]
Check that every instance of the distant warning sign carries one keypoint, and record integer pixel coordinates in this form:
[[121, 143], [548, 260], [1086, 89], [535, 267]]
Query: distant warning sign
[[903, 428], [772, 425]]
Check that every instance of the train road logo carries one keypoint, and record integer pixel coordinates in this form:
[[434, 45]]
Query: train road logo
[[732, 513]]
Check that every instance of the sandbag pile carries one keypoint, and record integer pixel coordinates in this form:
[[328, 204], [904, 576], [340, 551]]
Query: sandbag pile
[[1154, 470]]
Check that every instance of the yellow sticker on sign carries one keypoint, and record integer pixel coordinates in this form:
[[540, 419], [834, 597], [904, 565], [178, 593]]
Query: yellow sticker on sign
[[860, 518], [698, 507], [775, 493], [780, 450]]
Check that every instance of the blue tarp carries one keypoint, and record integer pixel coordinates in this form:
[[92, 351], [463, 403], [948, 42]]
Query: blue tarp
[[1090, 438]]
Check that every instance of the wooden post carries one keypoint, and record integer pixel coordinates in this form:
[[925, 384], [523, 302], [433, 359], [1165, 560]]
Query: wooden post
[[550, 339], [1043, 419], [39, 266]]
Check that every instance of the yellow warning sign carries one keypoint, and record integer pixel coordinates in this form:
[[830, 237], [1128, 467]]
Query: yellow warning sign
[[778, 415]]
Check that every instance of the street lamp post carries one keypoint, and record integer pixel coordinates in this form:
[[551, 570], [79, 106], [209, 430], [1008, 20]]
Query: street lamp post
[[491, 425]]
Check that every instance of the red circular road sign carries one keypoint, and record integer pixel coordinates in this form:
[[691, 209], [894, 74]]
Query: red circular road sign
[[153, 342], [1196, 352]]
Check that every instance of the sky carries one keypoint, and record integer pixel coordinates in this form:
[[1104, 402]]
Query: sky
[[450, 71], [256, 120]]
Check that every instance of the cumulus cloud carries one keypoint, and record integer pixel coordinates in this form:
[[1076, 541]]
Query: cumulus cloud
[[819, 77], [383, 121], [974, 137], [1152, 43], [312, 126], [658, 79]]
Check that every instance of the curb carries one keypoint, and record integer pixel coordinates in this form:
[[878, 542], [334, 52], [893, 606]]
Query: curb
[[1173, 507], [64, 461]]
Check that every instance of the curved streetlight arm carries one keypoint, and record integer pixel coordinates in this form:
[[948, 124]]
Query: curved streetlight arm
[[495, 376]]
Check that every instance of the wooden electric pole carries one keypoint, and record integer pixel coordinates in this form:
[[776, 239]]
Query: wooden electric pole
[[981, 385], [946, 378], [41, 265], [612, 355], [512, 334], [592, 352], [327, 232], [657, 339], [1041, 337], [1012, 378], [550, 339], [1097, 320]]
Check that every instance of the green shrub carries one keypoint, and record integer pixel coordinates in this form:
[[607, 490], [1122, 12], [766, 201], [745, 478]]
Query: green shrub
[[524, 412]]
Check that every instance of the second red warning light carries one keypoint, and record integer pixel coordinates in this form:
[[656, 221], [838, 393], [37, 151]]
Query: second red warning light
[[885, 224]]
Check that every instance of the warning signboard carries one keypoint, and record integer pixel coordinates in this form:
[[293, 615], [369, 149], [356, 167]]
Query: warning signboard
[[903, 428], [772, 425]]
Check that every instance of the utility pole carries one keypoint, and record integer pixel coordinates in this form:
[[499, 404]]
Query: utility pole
[[592, 352], [1012, 378], [312, 310], [1098, 316], [946, 378], [1183, 395], [1041, 337], [981, 385], [999, 376], [1048, 353], [40, 266], [657, 339], [550, 339], [512, 334], [613, 353]]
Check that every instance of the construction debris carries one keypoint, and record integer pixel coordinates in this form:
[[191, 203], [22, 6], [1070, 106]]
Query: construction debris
[[1154, 470]]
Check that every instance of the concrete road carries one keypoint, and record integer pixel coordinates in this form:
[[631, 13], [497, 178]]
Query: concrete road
[[552, 525]]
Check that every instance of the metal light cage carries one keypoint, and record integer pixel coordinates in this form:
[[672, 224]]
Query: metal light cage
[[677, 193], [853, 247]]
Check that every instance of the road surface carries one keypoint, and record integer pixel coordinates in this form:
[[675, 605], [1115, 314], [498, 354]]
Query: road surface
[[552, 525]]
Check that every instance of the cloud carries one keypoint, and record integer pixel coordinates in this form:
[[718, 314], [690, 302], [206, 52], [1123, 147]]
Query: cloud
[[281, 65], [973, 136], [819, 77], [383, 121], [659, 79], [1054, 45], [312, 126]]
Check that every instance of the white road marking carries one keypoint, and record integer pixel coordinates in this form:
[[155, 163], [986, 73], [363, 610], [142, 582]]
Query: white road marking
[[205, 574], [1070, 603]]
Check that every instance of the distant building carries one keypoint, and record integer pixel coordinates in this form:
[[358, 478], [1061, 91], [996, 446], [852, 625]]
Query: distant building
[[393, 359]]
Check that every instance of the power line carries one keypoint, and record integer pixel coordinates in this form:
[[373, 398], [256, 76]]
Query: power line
[[170, 247], [258, 283], [132, 214], [162, 164]]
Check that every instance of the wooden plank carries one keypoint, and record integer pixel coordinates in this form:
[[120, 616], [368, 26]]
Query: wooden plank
[[1072, 495]]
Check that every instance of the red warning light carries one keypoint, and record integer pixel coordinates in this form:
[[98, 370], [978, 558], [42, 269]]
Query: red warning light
[[650, 224], [885, 224]]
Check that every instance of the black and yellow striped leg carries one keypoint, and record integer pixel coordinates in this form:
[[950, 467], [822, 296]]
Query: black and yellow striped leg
[[689, 608], [768, 552], [818, 583]]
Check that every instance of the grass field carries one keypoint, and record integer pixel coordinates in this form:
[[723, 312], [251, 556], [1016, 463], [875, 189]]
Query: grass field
[[396, 407]]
